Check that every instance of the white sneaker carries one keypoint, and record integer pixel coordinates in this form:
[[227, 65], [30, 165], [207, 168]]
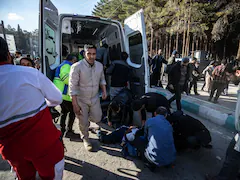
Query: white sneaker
[[87, 145]]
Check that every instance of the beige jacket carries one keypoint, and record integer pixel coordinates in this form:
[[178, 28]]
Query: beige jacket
[[84, 81]]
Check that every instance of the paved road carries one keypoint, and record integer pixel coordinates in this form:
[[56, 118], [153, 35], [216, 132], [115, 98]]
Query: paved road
[[228, 101], [108, 164]]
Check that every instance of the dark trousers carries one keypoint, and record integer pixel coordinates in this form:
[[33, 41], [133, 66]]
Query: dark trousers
[[67, 107], [177, 96], [193, 84], [231, 164], [115, 136], [141, 143], [154, 78], [216, 86]]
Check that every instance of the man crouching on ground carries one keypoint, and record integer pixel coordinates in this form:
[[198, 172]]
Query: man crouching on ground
[[85, 78], [159, 149]]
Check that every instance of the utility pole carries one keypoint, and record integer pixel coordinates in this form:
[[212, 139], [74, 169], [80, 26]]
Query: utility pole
[[3, 30]]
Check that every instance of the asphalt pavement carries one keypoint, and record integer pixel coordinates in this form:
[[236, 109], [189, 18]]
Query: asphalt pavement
[[107, 162]]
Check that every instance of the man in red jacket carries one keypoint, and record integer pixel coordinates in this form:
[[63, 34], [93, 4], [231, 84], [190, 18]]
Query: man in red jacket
[[28, 138]]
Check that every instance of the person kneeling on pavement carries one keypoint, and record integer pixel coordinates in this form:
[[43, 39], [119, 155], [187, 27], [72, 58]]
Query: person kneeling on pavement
[[189, 133], [119, 110], [157, 147], [149, 102]]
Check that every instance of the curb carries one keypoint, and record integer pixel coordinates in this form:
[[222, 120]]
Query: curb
[[206, 110]]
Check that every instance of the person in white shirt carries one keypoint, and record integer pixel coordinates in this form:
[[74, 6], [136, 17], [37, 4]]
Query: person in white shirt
[[28, 138]]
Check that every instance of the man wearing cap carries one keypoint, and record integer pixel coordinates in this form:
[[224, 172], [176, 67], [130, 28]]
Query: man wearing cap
[[178, 80], [85, 78]]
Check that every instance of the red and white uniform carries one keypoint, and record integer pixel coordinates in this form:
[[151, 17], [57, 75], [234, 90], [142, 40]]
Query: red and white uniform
[[28, 138]]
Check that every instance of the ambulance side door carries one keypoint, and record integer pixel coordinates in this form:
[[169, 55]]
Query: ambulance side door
[[136, 46], [49, 38]]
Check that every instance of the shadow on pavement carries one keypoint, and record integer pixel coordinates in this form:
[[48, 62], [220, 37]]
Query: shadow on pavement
[[4, 165], [89, 171]]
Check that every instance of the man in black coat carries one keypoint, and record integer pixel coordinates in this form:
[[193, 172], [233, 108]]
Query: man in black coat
[[149, 102], [178, 78], [188, 132], [194, 73], [157, 62]]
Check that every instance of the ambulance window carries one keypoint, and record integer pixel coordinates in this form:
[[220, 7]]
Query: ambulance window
[[136, 48], [50, 44]]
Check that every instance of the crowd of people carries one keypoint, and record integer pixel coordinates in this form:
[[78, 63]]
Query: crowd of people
[[28, 124], [183, 75]]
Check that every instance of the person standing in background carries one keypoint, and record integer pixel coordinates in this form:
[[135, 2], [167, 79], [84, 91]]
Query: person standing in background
[[18, 56], [208, 76], [119, 71], [220, 79], [178, 78], [103, 55], [194, 73], [157, 62]]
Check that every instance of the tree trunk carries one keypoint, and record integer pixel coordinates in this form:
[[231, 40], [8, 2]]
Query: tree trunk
[[184, 37], [167, 46], [238, 53], [201, 43], [177, 37], [188, 31], [159, 42], [170, 45], [206, 45], [197, 43], [151, 41], [156, 45], [193, 41], [184, 40], [224, 49]]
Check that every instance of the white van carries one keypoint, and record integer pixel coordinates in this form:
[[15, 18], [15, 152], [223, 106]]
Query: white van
[[72, 31]]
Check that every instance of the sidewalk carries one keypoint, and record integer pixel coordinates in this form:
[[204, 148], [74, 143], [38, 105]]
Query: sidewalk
[[216, 113]]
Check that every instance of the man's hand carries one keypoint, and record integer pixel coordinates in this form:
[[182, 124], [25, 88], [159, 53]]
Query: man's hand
[[110, 123], [104, 95], [170, 86], [77, 109]]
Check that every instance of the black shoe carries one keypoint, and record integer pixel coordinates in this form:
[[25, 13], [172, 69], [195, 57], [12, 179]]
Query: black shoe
[[209, 99], [209, 177], [71, 134], [197, 94], [209, 146], [215, 101], [151, 167]]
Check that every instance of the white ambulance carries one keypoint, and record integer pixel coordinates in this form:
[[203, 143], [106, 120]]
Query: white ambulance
[[72, 31]]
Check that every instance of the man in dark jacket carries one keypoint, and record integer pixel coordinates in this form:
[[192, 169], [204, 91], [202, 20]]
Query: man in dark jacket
[[150, 102], [178, 77], [157, 62], [120, 74], [188, 132], [194, 73], [120, 108]]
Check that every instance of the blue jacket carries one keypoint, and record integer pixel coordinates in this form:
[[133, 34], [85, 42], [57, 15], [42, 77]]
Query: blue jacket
[[159, 133]]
